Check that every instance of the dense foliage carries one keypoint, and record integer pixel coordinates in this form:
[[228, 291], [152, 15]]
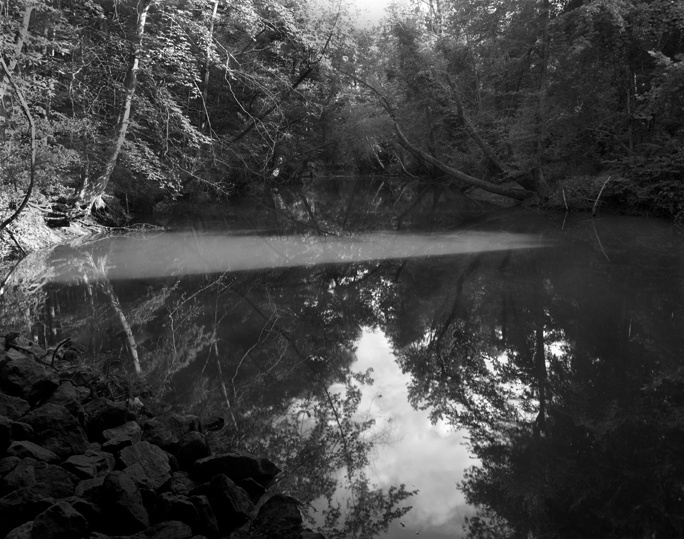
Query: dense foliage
[[162, 98]]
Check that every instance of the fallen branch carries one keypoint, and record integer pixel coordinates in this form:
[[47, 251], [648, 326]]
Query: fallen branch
[[516, 194]]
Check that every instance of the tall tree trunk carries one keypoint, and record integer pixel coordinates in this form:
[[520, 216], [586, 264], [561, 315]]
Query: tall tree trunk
[[32, 129], [91, 192], [205, 78], [9, 69], [537, 172]]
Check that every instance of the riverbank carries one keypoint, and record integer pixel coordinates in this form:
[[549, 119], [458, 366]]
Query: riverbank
[[88, 456]]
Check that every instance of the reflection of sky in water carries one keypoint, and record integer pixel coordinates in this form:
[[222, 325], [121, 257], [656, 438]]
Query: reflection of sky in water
[[430, 458]]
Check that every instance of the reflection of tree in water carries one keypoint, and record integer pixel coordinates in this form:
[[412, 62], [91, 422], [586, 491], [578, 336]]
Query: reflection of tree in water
[[568, 382]]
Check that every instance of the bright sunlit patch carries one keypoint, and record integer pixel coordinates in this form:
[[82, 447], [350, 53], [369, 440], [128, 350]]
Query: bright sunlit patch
[[182, 253]]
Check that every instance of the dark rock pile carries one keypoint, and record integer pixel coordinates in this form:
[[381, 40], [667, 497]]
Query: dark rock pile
[[75, 465]]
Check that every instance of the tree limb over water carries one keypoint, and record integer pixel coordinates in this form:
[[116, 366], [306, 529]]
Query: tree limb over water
[[516, 194]]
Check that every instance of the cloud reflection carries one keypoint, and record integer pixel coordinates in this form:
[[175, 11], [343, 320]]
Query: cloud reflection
[[430, 458]]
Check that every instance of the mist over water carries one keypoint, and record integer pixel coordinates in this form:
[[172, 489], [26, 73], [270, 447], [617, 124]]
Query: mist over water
[[155, 255]]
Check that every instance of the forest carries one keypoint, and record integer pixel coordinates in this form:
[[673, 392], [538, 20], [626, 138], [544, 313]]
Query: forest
[[111, 107]]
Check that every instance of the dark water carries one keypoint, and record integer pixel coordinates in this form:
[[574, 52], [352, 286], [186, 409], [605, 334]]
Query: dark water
[[526, 368]]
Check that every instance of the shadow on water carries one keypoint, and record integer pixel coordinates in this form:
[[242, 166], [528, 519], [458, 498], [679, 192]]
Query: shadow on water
[[553, 346]]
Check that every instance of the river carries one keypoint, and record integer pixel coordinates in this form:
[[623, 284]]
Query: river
[[518, 369]]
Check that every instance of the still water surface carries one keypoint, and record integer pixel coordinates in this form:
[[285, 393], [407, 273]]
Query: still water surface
[[519, 369]]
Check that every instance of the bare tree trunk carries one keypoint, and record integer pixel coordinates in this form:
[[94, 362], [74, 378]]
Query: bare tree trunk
[[116, 305], [9, 69], [91, 193], [205, 79], [537, 173], [32, 128]]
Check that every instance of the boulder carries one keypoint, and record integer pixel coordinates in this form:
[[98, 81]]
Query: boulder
[[208, 524], [13, 407], [137, 473], [24, 449], [230, 503], [91, 464], [166, 430], [89, 510], [7, 464], [123, 510], [91, 490], [21, 532], [60, 521], [180, 483], [67, 396], [172, 507], [278, 518], [253, 489], [21, 431], [57, 430], [153, 460], [237, 466], [172, 529], [27, 379], [101, 415], [120, 437], [190, 448], [5, 433], [22, 475], [21, 506]]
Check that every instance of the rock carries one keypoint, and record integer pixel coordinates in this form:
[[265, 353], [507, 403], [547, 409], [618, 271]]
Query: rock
[[166, 430], [191, 447], [123, 510], [5, 433], [209, 525], [67, 396], [27, 379], [137, 473], [278, 518], [21, 532], [21, 506], [172, 507], [89, 510], [13, 407], [57, 430], [26, 449], [103, 414], [23, 475], [230, 504], [8, 464], [91, 464], [120, 437], [55, 480], [237, 466], [172, 529], [154, 461], [253, 489], [60, 521], [21, 431], [130, 428], [180, 483], [91, 490]]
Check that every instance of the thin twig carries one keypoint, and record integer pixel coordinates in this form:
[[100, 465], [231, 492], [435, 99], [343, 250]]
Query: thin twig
[[565, 200], [593, 222], [593, 210]]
